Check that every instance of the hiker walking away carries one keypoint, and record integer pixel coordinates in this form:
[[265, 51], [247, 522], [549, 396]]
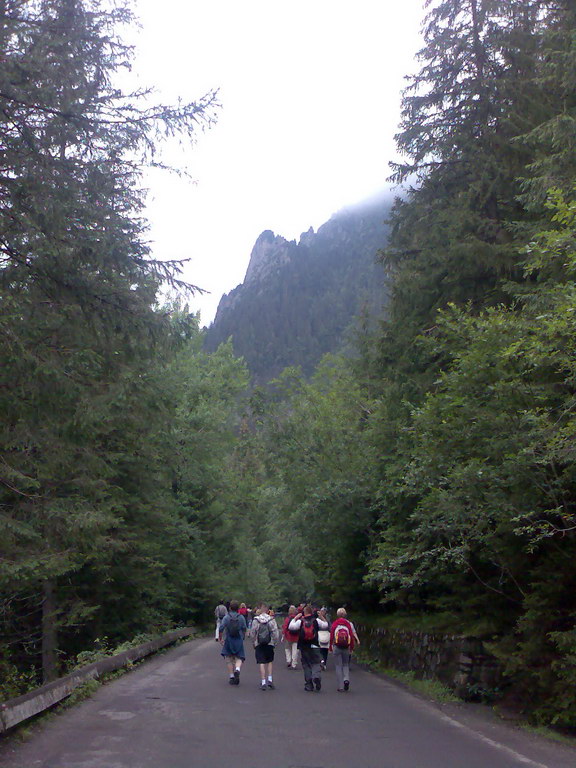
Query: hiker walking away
[[309, 646], [291, 640], [244, 611], [324, 638], [265, 634], [219, 612], [343, 637], [232, 631]]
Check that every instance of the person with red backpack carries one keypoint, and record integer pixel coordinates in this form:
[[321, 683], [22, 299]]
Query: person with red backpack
[[343, 637], [307, 628]]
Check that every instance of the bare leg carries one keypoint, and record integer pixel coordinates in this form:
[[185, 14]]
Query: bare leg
[[263, 674]]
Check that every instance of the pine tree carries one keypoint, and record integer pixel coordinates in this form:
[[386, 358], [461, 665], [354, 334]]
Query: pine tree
[[451, 236], [77, 287], [552, 141]]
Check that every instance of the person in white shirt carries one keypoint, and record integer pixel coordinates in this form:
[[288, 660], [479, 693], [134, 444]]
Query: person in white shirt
[[309, 646]]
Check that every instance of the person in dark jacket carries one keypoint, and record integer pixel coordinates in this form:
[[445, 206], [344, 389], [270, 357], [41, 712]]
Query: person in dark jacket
[[307, 628], [232, 631]]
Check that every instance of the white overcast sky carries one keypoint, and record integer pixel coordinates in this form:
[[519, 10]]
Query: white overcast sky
[[310, 94]]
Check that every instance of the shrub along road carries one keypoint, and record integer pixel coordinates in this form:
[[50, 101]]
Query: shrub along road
[[178, 711]]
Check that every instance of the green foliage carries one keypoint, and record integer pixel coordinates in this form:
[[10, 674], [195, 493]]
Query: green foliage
[[314, 482], [83, 692], [490, 470], [87, 512], [473, 422], [432, 470], [431, 689], [14, 681]]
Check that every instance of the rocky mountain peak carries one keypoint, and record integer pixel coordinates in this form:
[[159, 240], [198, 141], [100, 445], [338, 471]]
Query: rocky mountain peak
[[298, 298], [270, 252]]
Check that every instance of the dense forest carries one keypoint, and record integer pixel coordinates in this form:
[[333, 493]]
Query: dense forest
[[431, 473]]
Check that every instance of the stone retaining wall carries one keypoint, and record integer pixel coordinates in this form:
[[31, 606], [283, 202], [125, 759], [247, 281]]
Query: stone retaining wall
[[461, 663]]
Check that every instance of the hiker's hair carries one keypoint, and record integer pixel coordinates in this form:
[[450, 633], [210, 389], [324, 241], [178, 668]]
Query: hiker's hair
[[341, 613], [263, 606], [242, 605], [292, 609], [307, 611], [233, 605]]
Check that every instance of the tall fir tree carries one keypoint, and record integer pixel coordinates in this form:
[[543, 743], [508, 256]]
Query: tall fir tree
[[77, 286]]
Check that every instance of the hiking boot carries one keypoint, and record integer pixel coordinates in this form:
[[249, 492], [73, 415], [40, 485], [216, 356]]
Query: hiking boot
[[262, 687], [236, 677], [317, 683], [308, 687], [232, 681], [271, 685], [346, 684]]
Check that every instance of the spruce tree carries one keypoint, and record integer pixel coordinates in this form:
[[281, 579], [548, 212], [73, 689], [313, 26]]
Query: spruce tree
[[453, 234], [77, 287]]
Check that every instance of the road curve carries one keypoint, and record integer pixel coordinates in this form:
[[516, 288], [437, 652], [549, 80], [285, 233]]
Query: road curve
[[178, 711]]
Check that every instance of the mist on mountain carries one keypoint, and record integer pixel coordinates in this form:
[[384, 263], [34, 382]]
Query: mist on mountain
[[299, 298]]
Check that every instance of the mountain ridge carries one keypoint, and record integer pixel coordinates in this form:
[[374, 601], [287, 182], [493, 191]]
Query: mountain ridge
[[299, 297]]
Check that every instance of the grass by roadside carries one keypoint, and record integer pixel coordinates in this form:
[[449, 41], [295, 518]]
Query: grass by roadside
[[548, 733], [436, 691], [431, 689]]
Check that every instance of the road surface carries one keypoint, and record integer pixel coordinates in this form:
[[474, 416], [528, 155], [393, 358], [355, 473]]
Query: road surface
[[177, 710]]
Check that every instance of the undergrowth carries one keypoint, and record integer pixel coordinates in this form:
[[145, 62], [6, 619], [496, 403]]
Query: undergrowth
[[432, 689]]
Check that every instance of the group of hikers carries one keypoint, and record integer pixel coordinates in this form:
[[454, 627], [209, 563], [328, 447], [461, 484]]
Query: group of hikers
[[306, 632]]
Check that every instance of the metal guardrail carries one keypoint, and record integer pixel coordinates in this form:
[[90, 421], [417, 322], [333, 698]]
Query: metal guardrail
[[15, 711]]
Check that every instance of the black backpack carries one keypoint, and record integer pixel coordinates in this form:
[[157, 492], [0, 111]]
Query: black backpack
[[234, 626]]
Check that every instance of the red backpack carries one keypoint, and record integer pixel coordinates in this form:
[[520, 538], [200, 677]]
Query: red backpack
[[307, 633], [342, 636]]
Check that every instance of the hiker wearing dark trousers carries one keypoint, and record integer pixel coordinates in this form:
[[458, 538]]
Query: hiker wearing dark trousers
[[232, 631], [307, 628], [343, 637], [264, 631]]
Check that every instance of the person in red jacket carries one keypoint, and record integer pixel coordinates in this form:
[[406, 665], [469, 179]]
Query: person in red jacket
[[291, 640], [343, 637]]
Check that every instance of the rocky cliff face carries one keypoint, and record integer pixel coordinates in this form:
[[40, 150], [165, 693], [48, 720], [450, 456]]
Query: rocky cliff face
[[270, 253], [298, 298]]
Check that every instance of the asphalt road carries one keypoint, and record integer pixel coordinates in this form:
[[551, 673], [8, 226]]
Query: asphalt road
[[177, 710]]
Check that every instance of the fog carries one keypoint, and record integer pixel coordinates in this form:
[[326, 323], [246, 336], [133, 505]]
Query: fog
[[310, 97]]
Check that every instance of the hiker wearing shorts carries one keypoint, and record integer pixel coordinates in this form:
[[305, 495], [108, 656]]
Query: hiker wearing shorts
[[265, 633]]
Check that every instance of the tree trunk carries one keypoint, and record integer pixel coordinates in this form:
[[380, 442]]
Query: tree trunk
[[49, 660]]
